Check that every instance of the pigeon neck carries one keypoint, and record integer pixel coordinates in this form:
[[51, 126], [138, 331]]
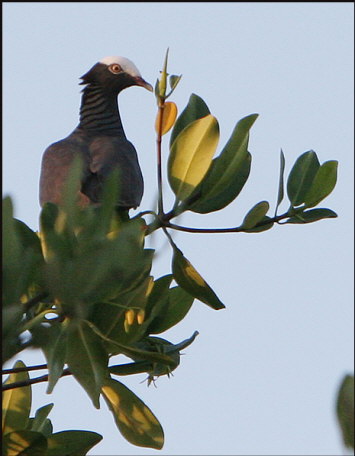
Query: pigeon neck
[[99, 111]]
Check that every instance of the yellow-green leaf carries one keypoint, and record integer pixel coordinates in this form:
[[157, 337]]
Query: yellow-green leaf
[[195, 109], [191, 155], [169, 113], [87, 359], [191, 281], [164, 75], [134, 419], [228, 172], [24, 443], [16, 402]]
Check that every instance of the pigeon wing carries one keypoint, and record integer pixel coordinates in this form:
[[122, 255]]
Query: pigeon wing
[[106, 154], [56, 162]]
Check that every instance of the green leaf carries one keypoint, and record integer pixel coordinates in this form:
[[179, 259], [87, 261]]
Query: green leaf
[[174, 81], [100, 223], [228, 172], [137, 367], [48, 217], [195, 109], [29, 238], [16, 402], [70, 192], [323, 183], [87, 360], [54, 244], [133, 418], [312, 215], [32, 250], [255, 215], [21, 261], [191, 281], [164, 75], [11, 248], [40, 419], [55, 354], [280, 195], [178, 303], [156, 88], [108, 319], [345, 410], [301, 177], [263, 225], [52, 341], [158, 297], [11, 324], [191, 155], [46, 429], [72, 443], [24, 443]]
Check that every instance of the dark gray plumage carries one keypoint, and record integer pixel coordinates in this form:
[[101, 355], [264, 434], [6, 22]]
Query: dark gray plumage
[[99, 139]]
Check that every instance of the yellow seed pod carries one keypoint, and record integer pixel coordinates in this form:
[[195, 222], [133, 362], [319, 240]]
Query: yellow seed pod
[[169, 112], [141, 316], [126, 326], [129, 316]]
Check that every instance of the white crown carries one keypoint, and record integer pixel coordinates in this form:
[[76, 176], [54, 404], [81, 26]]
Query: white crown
[[127, 65]]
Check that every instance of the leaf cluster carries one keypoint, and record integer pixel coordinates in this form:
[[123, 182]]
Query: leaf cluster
[[34, 436], [82, 286], [93, 298]]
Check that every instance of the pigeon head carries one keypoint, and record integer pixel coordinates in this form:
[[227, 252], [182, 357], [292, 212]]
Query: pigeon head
[[115, 74]]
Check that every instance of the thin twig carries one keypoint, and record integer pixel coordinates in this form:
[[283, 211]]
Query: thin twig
[[236, 229], [15, 370], [31, 381]]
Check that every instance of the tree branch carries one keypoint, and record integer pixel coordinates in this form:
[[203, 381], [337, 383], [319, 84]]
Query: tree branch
[[15, 370], [31, 381]]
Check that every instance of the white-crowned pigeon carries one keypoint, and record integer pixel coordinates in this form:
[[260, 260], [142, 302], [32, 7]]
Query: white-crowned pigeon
[[99, 139]]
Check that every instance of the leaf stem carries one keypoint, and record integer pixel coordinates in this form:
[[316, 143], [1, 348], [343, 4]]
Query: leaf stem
[[38, 318], [159, 160], [236, 229]]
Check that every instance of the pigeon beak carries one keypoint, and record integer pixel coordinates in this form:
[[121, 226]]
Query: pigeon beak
[[141, 82]]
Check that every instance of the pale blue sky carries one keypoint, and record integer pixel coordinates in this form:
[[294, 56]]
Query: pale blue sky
[[261, 377]]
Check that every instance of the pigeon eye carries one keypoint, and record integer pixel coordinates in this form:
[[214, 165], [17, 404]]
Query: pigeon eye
[[115, 68]]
